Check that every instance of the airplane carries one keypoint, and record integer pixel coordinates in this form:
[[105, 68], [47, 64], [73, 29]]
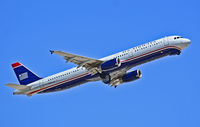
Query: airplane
[[112, 70]]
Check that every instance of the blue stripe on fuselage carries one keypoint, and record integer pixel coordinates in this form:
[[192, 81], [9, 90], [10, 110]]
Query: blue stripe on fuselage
[[128, 64]]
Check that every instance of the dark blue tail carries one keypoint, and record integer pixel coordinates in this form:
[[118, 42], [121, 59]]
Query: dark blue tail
[[24, 75]]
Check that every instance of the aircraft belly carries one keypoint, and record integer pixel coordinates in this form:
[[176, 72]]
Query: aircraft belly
[[125, 65], [144, 59], [149, 57], [67, 85]]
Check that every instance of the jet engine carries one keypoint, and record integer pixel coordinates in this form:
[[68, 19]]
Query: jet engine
[[131, 76], [128, 77], [110, 64]]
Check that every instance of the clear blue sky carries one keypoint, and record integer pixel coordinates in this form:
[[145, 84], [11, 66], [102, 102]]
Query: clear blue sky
[[166, 96]]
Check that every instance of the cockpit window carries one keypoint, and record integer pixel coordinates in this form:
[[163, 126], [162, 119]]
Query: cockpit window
[[177, 37]]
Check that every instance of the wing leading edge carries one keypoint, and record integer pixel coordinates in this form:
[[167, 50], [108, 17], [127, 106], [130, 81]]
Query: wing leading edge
[[90, 64]]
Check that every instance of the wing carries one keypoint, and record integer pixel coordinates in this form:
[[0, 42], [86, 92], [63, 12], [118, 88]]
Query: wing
[[89, 63]]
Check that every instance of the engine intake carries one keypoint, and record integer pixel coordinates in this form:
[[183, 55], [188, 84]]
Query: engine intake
[[110, 64]]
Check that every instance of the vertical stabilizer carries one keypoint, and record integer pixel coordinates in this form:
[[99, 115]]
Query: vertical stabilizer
[[24, 75]]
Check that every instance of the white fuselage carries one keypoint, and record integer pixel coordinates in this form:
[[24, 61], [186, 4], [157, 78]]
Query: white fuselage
[[126, 57]]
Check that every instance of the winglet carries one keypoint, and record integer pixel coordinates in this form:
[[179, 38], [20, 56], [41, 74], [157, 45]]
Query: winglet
[[51, 51]]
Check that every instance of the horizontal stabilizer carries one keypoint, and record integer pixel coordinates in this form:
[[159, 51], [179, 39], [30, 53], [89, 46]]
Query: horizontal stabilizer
[[18, 87]]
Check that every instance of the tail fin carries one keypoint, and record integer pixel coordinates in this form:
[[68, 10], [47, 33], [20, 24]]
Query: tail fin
[[24, 75]]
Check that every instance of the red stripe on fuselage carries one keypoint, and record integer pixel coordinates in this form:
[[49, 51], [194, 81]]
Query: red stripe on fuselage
[[53, 85], [57, 84], [150, 53]]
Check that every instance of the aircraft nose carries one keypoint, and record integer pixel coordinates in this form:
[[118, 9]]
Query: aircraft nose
[[187, 41]]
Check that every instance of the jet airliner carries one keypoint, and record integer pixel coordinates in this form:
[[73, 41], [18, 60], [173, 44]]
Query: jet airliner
[[112, 70]]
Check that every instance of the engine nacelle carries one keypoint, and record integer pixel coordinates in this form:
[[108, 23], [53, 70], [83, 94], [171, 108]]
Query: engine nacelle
[[131, 76], [110, 64]]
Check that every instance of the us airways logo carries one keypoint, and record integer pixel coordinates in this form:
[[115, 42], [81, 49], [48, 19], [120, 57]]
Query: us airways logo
[[23, 76]]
